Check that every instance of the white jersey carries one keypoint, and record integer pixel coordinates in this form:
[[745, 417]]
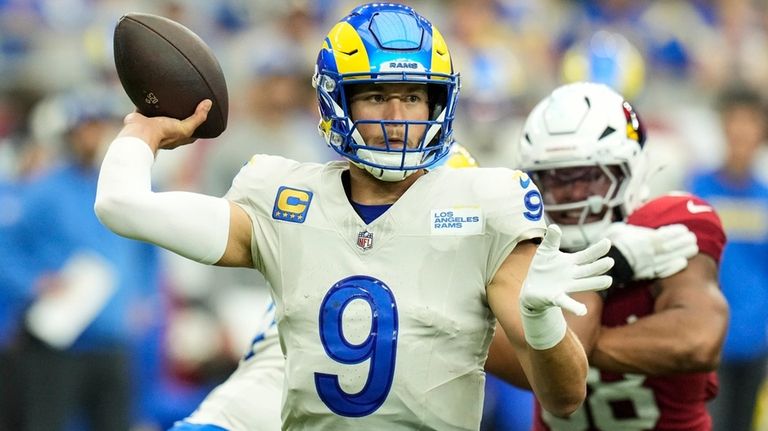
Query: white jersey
[[249, 400], [386, 325]]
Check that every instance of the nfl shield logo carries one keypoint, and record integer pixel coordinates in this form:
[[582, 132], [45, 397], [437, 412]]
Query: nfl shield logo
[[365, 240]]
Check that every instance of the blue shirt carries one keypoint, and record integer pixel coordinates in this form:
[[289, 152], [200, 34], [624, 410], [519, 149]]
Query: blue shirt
[[58, 222], [369, 213], [743, 209], [13, 296]]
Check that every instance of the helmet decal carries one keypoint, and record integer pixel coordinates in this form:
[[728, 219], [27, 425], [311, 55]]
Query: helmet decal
[[634, 126], [350, 55], [441, 59]]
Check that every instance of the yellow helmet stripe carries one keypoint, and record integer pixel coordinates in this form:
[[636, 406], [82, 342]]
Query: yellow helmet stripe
[[441, 58], [349, 50]]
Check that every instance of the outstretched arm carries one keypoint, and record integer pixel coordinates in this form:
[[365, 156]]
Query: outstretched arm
[[502, 359], [203, 228], [551, 356], [640, 253], [685, 333]]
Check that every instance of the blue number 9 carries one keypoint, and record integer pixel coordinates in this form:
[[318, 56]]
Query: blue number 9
[[534, 205], [380, 346]]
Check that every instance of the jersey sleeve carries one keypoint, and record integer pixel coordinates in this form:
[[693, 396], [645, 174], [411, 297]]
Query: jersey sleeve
[[514, 212], [253, 190], [693, 212]]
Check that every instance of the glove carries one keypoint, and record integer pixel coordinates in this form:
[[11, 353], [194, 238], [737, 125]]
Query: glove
[[654, 253], [554, 274]]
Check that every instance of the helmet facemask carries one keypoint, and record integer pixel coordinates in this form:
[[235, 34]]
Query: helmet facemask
[[583, 200]]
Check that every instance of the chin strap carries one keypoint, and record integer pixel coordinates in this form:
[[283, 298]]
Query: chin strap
[[388, 175], [387, 159]]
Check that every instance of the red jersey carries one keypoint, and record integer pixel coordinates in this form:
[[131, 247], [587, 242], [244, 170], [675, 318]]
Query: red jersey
[[635, 402]]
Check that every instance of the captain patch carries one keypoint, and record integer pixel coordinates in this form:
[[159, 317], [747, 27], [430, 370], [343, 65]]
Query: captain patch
[[291, 204], [456, 221]]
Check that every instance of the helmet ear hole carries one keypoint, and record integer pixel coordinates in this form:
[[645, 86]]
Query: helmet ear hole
[[349, 91], [437, 98]]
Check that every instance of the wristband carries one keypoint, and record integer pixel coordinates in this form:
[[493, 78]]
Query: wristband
[[543, 329], [621, 272]]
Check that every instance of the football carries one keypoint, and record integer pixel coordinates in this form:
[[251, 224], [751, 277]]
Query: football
[[166, 70]]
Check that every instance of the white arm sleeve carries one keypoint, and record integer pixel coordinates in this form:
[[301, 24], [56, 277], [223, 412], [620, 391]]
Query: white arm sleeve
[[193, 225]]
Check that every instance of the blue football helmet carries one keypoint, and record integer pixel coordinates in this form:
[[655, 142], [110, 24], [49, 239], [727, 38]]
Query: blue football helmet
[[385, 43]]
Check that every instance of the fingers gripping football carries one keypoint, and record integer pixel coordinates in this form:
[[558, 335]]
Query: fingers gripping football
[[168, 133], [166, 70]]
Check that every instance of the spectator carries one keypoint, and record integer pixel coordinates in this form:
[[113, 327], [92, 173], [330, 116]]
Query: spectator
[[89, 290], [11, 301], [742, 202]]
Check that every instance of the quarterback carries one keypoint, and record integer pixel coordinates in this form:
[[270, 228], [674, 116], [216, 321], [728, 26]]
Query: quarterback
[[654, 350], [384, 315], [249, 400]]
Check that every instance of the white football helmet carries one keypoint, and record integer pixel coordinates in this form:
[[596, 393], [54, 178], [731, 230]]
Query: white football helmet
[[582, 146]]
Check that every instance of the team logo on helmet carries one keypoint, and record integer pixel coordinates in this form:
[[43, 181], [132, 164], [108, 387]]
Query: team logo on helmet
[[634, 127], [402, 64]]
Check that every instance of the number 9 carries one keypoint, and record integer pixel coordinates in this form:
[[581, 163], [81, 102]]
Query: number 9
[[380, 346], [534, 205]]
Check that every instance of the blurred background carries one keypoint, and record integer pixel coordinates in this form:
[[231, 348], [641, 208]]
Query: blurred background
[[183, 326]]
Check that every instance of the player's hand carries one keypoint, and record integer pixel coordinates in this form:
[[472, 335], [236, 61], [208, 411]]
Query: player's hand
[[554, 274], [654, 253], [165, 132]]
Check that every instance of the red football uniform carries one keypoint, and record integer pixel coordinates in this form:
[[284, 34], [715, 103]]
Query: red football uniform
[[635, 402]]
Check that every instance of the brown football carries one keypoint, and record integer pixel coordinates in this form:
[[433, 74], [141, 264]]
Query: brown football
[[166, 70]]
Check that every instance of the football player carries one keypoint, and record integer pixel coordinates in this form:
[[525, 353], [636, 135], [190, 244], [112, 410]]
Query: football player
[[388, 279], [653, 352], [250, 398]]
